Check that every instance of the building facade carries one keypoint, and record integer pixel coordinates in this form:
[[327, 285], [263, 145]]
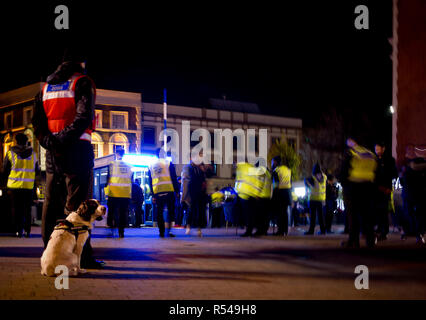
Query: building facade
[[409, 78], [124, 121]]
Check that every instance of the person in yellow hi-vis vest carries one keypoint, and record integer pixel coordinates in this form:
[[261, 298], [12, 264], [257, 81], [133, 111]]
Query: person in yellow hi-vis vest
[[316, 185], [119, 192], [357, 177], [264, 202], [248, 185], [281, 195], [163, 183], [20, 167]]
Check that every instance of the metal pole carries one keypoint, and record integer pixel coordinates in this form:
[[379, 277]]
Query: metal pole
[[165, 120]]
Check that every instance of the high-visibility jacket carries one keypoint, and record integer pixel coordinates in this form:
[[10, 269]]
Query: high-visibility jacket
[[318, 190], [160, 175], [284, 176], [217, 199], [120, 180], [266, 192], [59, 105], [362, 165], [22, 173], [248, 182]]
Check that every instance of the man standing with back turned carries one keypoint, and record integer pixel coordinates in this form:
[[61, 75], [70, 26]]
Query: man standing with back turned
[[63, 121]]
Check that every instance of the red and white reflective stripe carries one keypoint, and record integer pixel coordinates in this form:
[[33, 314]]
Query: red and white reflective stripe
[[58, 95], [86, 136]]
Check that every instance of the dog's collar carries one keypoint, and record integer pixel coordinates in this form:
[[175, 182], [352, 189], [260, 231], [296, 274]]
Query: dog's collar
[[70, 227]]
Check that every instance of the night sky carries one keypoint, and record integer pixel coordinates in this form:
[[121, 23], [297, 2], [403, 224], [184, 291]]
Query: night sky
[[296, 59]]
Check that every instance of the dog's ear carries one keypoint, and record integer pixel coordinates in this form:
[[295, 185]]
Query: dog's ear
[[84, 210]]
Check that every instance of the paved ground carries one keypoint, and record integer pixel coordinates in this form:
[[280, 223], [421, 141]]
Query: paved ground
[[220, 266]]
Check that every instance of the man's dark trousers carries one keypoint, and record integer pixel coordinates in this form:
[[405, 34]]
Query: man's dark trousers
[[118, 209], [21, 200], [316, 209], [163, 200], [281, 200]]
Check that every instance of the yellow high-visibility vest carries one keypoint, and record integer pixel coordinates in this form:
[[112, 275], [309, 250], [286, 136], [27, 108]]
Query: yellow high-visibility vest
[[120, 180], [318, 190], [217, 197], [284, 176], [160, 175], [363, 165], [248, 182], [22, 173], [266, 192]]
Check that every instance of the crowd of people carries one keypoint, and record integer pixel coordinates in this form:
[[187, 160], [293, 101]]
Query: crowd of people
[[262, 196]]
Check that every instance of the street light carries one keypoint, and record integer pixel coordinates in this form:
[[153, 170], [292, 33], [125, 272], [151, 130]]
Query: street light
[[391, 109]]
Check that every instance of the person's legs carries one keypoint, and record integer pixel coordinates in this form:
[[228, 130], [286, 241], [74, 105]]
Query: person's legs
[[313, 209], [321, 216], [352, 219], [170, 202], [53, 206], [159, 212], [123, 211]]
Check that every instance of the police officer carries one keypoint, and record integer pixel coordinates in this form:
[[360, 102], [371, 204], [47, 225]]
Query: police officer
[[248, 186], [164, 185], [316, 185], [63, 121], [281, 195], [119, 192], [20, 167], [264, 202], [357, 176]]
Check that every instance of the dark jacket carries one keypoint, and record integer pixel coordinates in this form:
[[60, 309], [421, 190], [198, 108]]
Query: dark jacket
[[137, 193], [22, 151], [193, 185], [385, 172], [66, 153]]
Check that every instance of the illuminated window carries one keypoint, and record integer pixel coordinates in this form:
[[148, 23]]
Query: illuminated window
[[98, 118], [119, 120], [118, 141], [7, 144], [98, 145]]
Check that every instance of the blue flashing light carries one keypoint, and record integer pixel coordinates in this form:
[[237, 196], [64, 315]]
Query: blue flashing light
[[141, 160]]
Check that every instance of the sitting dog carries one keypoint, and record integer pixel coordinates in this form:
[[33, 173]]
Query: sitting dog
[[67, 240]]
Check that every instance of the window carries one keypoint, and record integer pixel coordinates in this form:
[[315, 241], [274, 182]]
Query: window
[[7, 144], [149, 136], [8, 120], [119, 120], [118, 141], [98, 145], [28, 114], [98, 118]]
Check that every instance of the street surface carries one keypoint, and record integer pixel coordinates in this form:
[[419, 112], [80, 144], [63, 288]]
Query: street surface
[[220, 265]]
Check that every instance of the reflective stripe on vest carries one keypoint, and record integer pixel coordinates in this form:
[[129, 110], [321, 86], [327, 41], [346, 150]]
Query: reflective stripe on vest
[[248, 181], [284, 176], [59, 105], [160, 175], [120, 180], [22, 173], [318, 191], [363, 165]]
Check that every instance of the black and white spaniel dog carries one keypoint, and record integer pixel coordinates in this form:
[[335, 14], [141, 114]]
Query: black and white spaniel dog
[[67, 240]]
